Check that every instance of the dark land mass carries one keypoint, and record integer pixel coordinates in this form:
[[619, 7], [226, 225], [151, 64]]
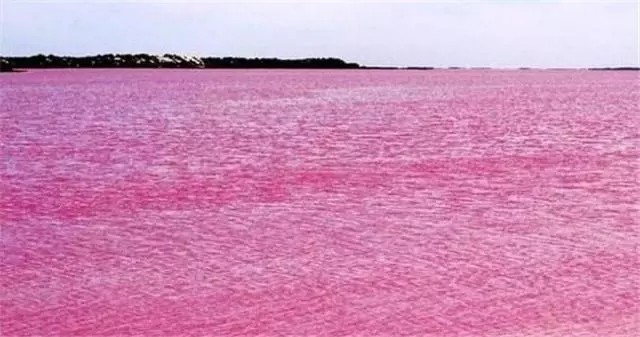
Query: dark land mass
[[168, 61], [8, 64], [397, 68], [379, 68], [617, 68], [310, 63], [5, 66]]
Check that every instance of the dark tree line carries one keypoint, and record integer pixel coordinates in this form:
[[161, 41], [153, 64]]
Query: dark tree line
[[168, 61], [617, 68], [179, 61], [5, 65], [105, 61], [240, 62]]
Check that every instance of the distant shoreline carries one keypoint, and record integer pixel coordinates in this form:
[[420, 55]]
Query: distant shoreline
[[172, 61], [169, 61]]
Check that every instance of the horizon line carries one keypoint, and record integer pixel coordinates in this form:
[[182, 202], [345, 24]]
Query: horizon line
[[359, 66]]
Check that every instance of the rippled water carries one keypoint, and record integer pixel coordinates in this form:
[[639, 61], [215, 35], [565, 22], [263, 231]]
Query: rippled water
[[372, 203]]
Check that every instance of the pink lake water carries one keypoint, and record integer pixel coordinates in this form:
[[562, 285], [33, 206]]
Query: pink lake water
[[319, 203]]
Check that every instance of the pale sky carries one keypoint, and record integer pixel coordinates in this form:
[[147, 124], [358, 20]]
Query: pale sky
[[507, 33]]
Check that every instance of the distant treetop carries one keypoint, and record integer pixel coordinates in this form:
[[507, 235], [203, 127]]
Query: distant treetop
[[169, 61]]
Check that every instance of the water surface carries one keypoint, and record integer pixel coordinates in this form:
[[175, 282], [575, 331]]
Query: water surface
[[314, 202]]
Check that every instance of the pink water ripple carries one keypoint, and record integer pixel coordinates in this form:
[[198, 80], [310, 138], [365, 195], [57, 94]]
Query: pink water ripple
[[329, 203]]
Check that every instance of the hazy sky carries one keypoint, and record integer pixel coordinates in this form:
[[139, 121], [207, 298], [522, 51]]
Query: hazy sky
[[508, 33]]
